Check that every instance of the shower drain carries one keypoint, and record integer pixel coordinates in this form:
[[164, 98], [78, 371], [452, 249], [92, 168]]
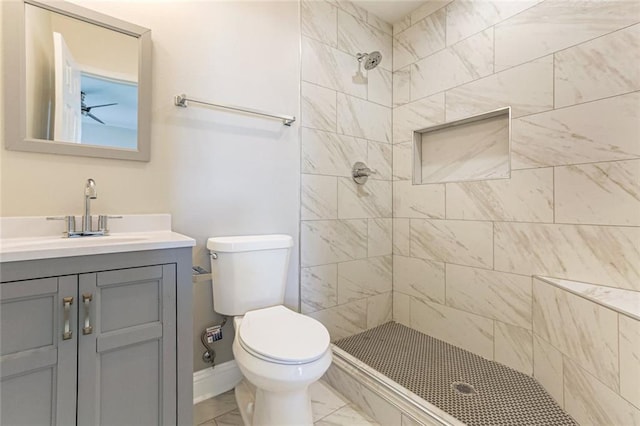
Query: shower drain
[[463, 388]]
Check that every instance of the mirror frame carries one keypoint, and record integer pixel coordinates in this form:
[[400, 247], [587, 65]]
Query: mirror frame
[[14, 63]]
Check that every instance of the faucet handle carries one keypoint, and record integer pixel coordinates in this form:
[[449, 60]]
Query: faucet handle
[[70, 223], [103, 222]]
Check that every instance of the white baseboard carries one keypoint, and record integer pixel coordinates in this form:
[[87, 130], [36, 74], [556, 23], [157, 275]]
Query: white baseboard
[[210, 382]]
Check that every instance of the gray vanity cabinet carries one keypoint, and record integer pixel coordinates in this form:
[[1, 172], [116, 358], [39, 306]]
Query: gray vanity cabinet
[[95, 348], [38, 364]]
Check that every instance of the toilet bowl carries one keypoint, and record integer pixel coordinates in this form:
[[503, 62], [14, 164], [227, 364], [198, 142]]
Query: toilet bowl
[[280, 353]]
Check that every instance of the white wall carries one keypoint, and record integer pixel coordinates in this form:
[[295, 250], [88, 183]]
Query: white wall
[[217, 173]]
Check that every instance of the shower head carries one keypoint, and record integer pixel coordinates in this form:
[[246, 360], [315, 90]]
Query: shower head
[[371, 60]]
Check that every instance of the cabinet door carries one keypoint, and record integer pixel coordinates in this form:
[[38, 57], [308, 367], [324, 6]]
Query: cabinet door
[[37, 362], [127, 347]]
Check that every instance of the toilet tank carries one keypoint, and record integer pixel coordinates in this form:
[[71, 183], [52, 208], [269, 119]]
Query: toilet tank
[[248, 272]]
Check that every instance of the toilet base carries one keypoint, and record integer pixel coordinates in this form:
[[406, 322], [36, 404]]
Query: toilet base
[[261, 408]]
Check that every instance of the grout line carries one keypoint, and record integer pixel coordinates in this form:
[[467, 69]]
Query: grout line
[[553, 200]]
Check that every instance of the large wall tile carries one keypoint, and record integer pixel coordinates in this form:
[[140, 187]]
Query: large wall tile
[[401, 82], [331, 68], [600, 68], [532, 34], [600, 254], [380, 237], [603, 130], [602, 193], [461, 63], [427, 9], [319, 20], [401, 308], [468, 331], [318, 107], [401, 237], [453, 241], [514, 347], [498, 295], [547, 368], [526, 197], [352, 9], [379, 23], [344, 320], [581, 329], [419, 278], [419, 40], [319, 198], [506, 88], [418, 201], [591, 403], [401, 25], [363, 201], [380, 87], [355, 36], [403, 161], [319, 288], [362, 119], [330, 241], [363, 278], [379, 160], [327, 153], [416, 116], [629, 359], [379, 309], [465, 18]]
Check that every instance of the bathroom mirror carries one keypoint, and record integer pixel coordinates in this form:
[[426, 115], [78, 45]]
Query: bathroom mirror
[[76, 81]]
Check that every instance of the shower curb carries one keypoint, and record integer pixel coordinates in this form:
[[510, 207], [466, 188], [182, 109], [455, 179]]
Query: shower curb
[[346, 368]]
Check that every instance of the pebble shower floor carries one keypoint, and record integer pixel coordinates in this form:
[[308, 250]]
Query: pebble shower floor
[[441, 374]]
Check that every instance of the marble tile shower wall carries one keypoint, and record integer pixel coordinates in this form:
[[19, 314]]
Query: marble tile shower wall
[[346, 271], [464, 252]]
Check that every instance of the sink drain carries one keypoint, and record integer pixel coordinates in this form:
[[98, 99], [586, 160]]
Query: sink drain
[[463, 388]]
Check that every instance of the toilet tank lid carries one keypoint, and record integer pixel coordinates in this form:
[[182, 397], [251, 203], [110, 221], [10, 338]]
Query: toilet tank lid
[[249, 243]]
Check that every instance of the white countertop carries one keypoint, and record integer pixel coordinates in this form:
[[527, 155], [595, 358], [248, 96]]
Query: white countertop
[[31, 238]]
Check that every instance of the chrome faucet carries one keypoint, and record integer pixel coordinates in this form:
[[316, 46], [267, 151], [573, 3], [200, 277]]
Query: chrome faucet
[[90, 193]]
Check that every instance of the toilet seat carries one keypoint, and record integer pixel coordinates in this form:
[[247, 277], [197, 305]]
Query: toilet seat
[[281, 336]]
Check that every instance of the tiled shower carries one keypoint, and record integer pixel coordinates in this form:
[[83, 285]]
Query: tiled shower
[[456, 260]]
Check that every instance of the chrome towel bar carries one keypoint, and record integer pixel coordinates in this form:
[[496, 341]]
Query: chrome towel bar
[[182, 101]]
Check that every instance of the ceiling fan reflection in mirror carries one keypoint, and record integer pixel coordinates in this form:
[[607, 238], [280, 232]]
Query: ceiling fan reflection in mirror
[[86, 110]]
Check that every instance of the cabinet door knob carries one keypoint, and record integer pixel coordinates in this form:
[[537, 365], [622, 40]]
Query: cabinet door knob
[[86, 300], [66, 304]]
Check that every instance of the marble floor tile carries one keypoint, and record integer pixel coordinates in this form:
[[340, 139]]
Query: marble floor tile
[[606, 66], [346, 416], [232, 418], [214, 407], [324, 400]]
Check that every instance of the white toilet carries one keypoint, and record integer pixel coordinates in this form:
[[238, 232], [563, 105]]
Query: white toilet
[[279, 351]]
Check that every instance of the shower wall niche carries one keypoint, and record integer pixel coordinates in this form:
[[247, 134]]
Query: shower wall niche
[[473, 148]]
